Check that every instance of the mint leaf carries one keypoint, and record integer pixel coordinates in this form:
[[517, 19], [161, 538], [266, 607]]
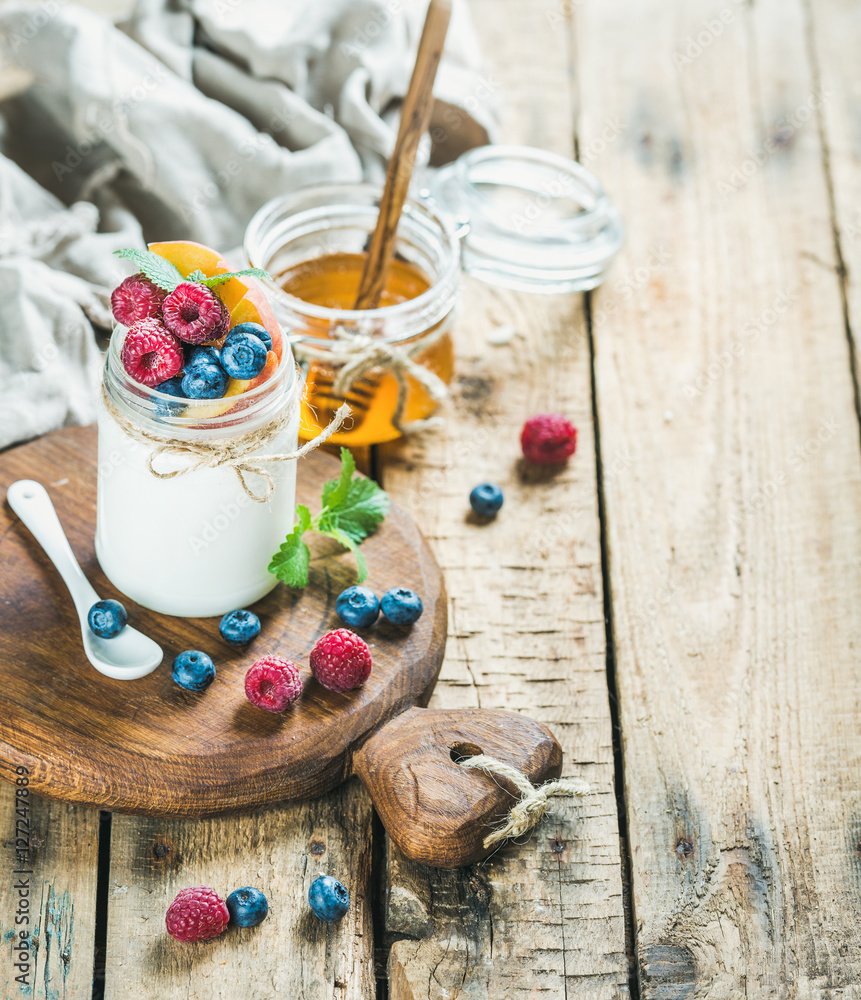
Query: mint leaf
[[195, 276], [159, 271], [304, 516], [290, 563], [363, 508], [336, 490], [352, 508], [219, 279]]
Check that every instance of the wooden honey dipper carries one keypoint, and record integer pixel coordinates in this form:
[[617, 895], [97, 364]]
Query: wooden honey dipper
[[415, 120]]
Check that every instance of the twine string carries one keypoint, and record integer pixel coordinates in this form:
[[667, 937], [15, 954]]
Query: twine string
[[530, 809], [237, 453], [358, 353]]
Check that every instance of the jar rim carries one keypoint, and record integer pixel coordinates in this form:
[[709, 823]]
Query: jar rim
[[416, 211], [146, 403], [531, 155]]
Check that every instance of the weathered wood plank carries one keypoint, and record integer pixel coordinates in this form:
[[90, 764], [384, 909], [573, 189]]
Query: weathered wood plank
[[48, 892], [834, 27], [277, 849], [735, 533], [526, 627]]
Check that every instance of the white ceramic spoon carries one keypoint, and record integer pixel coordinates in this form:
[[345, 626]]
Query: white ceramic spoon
[[127, 656]]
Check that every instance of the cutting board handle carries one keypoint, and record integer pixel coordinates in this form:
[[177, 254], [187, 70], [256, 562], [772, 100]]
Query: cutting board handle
[[437, 812]]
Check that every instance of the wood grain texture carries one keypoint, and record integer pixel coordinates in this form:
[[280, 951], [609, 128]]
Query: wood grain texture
[[148, 746], [279, 849], [832, 28], [735, 532], [50, 893], [437, 812], [542, 918]]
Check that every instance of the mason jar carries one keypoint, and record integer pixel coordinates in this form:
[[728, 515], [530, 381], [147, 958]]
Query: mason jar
[[186, 524], [315, 239]]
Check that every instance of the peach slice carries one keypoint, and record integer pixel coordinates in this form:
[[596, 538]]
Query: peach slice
[[268, 370], [187, 256]]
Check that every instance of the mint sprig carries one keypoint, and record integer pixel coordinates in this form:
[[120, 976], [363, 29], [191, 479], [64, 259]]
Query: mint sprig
[[164, 274], [159, 271], [352, 508], [219, 279]]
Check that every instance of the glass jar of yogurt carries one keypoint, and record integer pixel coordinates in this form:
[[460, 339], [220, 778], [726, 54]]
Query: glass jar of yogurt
[[174, 535]]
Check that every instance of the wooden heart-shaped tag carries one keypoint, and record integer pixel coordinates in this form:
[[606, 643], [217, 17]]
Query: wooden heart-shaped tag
[[437, 812]]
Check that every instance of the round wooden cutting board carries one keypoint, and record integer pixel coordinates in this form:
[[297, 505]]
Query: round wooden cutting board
[[148, 746]]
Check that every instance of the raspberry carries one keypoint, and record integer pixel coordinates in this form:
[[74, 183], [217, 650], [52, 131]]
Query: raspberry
[[273, 683], [341, 660], [197, 914], [548, 438], [195, 314], [150, 354], [135, 299]]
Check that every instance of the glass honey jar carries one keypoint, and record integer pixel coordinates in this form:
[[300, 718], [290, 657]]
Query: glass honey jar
[[392, 363]]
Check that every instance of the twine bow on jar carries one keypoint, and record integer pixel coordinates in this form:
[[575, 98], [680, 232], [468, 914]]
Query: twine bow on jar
[[358, 353], [237, 453]]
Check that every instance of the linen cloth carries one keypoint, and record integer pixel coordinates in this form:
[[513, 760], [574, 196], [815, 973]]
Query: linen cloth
[[179, 122]]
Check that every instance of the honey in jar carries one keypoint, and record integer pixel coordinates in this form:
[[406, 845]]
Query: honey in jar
[[329, 285]]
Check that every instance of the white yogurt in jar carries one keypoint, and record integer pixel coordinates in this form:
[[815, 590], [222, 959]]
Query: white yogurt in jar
[[197, 544]]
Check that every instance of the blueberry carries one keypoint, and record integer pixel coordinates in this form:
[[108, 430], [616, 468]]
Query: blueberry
[[256, 330], [195, 356], [486, 499], [193, 670], [170, 407], [205, 381], [247, 907], [329, 900], [171, 387], [357, 607], [401, 606], [107, 618], [239, 627], [243, 354]]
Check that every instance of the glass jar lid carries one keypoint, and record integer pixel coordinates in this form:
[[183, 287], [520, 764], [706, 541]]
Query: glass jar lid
[[528, 219]]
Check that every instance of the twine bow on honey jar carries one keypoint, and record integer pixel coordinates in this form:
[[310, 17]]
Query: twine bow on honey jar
[[358, 353]]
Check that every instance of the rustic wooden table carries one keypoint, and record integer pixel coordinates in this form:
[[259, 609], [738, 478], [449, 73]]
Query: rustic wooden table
[[680, 605]]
